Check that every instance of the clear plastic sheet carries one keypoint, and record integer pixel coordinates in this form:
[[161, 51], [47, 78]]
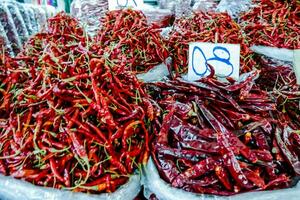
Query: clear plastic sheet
[[205, 5], [25, 15], [18, 21], [163, 191], [50, 10], [14, 189], [183, 8], [4, 42], [157, 73], [40, 16], [274, 52], [167, 4], [10, 29], [234, 7], [274, 56], [89, 13], [161, 17], [33, 21]]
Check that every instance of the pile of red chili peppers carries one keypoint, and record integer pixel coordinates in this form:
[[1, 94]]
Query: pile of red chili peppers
[[72, 122], [273, 23], [280, 81], [206, 27], [222, 138], [127, 40], [74, 116]]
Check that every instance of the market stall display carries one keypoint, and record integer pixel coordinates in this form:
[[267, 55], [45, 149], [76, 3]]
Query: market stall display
[[97, 104]]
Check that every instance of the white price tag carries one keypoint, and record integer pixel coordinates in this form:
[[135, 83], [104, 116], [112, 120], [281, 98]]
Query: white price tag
[[224, 58], [119, 4], [297, 64]]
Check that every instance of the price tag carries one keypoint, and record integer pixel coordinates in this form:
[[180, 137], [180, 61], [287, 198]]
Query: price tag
[[224, 58], [297, 64], [119, 4]]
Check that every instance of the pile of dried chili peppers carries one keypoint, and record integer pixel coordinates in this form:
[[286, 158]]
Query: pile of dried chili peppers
[[206, 27], [280, 81], [222, 138], [273, 23], [127, 40], [72, 123]]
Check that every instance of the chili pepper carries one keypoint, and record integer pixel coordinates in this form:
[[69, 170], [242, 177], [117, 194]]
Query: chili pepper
[[223, 177], [54, 169], [255, 178], [290, 156], [197, 170], [167, 168]]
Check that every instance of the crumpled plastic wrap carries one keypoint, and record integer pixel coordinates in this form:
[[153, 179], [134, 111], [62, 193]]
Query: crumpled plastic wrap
[[155, 74], [167, 4], [49, 10], [234, 7], [273, 56], [183, 8], [18, 21], [10, 29], [40, 16], [89, 13], [25, 16], [33, 21], [4, 42], [274, 52], [205, 5], [161, 17], [13, 189], [163, 191]]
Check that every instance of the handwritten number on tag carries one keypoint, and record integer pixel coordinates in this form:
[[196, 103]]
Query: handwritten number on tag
[[220, 54]]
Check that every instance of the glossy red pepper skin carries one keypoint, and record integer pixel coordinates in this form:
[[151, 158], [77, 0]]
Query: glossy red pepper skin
[[247, 155]]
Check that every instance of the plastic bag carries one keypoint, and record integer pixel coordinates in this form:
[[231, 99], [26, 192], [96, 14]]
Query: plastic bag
[[183, 8], [89, 13], [163, 191], [10, 29], [157, 73], [13, 189], [4, 42], [25, 15], [161, 17], [234, 7], [274, 52], [167, 4], [33, 21], [40, 16], [49, 10], [18, 21], [205, 5]]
